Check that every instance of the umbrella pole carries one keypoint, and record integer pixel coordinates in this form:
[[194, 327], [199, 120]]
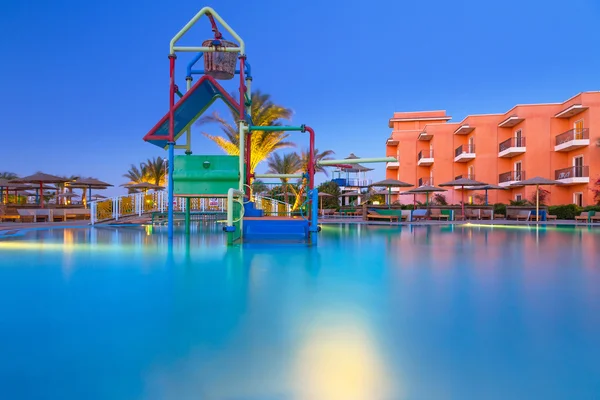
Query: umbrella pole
[[486, 197], [41, 195], [389, 198], [537, 203], [463, 202]]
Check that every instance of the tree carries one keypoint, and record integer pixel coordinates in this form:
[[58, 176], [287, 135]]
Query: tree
[[8, 175], [155, 170], [290, 163], [326, 155], [259, 186], [135, 174], [439, 199], [544, 195], [332, 188], [263, 113], [596, 190]]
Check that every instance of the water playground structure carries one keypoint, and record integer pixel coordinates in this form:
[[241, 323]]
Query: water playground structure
[[228, 176]]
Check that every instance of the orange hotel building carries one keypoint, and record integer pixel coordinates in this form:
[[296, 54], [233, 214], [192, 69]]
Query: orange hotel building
[[555, 141]]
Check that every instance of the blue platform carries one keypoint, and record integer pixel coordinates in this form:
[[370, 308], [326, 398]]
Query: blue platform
[[289, 230]]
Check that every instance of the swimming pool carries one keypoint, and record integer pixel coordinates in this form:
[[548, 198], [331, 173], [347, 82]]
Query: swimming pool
[[372, 312]]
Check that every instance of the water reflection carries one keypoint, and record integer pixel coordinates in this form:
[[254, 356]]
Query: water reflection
[[372, 312]]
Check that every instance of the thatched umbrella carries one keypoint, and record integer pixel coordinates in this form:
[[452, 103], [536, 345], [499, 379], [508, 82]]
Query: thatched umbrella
[[390, 183], [89, 184], [462, 182], [486, 188], [537, 182], [39, 179], [424, 189]]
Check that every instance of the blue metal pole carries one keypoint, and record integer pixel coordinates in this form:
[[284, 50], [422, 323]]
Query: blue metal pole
[[170, 186]]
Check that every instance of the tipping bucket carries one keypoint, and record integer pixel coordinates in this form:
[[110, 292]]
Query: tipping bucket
[[219, 64]]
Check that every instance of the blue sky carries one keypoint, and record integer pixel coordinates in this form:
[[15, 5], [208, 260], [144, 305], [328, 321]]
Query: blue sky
[[82, 82]]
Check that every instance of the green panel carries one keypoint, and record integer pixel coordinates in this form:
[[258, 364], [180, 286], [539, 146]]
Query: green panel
[[382, 211], [205, 175]]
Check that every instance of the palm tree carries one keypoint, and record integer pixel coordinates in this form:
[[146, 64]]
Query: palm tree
[[264, 113], [155, 170], [136, 174], [8, 175], [290, 163], [304, 157]]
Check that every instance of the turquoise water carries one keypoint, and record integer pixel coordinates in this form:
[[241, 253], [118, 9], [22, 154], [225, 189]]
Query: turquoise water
[[371, 313]]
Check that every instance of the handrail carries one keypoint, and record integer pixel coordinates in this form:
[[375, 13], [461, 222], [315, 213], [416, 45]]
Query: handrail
[[231, 193], [512, 142], [572, 172], [188, 26], [573, 134]]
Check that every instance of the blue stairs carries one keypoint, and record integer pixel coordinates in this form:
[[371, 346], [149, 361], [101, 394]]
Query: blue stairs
[[251, 211]]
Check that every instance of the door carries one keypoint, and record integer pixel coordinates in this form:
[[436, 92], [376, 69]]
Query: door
[[471, 172], [578, 199], [471, 145], [518, 138], [578, 166], [518, 171], [578, 128]]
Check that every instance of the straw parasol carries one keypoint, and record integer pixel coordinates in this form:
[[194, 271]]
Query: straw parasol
[[424, 189], [40, 178], [89, 184], [486, 188], [390, 183], [537, 182], [323, 194], [462, 182]]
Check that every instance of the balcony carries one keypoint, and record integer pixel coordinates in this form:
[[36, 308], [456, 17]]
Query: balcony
[[510, 122], [425, 136], [391, 141], [464, 153], [511, 147], [510, 178], [573, 175], [466, 176], [464, 130], [352, 182], [425, 158], [392, 165], [572, 140], [426, 181]]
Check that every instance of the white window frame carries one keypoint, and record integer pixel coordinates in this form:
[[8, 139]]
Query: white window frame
[[575, 195]]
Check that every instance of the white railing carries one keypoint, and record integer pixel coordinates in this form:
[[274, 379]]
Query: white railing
[[138, 203]]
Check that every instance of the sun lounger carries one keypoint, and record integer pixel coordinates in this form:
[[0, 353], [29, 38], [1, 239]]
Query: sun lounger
[[419, 214], [550, 217], [391, 218], [583, 217], [486, 214], [595, 218], [523, 215], [472, 214], [437, 214], [8, 214]]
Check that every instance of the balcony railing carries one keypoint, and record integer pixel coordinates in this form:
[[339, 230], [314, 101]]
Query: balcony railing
[[512, 142], [468, 148], [352, 182], [572, 172], [573, 134], [425, 154], [426, 181], [511, 176]]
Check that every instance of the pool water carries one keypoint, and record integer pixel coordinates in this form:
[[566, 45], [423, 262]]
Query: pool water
[[372, 312]]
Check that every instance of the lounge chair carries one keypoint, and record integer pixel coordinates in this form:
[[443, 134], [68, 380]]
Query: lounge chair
[[584, 217], [436, 213], [595, 218], [419, 214], [486, 214], [8, 215], [472, 214], [372, 214], [550, 217], [523, 215]]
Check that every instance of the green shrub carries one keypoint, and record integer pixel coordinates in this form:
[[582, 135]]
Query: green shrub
[[592, 208], [500, 208], [566, 211]]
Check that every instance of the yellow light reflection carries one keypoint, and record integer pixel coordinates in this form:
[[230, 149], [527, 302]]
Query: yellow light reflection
[[341, 361]]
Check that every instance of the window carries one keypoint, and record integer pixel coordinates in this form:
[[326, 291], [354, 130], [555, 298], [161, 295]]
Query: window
[[518, 197], [578, 199], [471, 145], [470, 199], [578, 128], [471, 172], [518, 170], [518, 136]]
